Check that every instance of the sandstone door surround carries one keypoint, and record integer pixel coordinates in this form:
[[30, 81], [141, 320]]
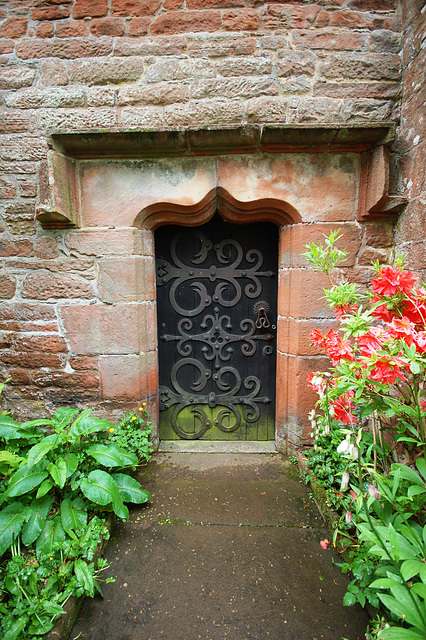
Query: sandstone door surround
[[110, 191]]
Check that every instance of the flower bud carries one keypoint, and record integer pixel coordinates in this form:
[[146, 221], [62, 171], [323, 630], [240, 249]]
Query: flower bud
[[348, 517], [345, 481], [343, 446], [373, 492]]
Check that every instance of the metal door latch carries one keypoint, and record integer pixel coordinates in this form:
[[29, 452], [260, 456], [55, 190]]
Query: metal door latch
[[261, 309]]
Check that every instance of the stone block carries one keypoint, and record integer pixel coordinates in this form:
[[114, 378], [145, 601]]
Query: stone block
[[244, 87], [13, 27], [13, 122], [301, 294], [359, 65], [7, 287], [119, 329], [219, 45], [84, 363], [330, 39], [129, 279], [6, 45], [160, 93], [134, 7], [37, 98], [368, 255], [379, 234], [158, 46], [173, 69], [27, 311], [131, 377], [111, 242], [105, 71], [46, 286], [296, 63], [187, 21], [42, 344], [12, 247], [7, 188], [33, 360], [45, 30], [108, 27], [50, 13], [16, 77], [294, 238], [23, 148], [241, 20], [277, 16], [248, 66], [76, 379], [69, 48], [76, 120], [72, 29], [90, 8], [293, 335]]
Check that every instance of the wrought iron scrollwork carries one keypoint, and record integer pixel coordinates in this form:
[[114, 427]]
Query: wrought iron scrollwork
[[230, 253], [229, 384], [217, 339]]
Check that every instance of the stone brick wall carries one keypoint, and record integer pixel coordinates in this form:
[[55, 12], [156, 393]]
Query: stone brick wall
[[76, 66], [410, 144]]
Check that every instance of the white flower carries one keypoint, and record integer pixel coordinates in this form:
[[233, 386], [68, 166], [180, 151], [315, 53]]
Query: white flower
[[348, 517], [343, 446], [345, 481]]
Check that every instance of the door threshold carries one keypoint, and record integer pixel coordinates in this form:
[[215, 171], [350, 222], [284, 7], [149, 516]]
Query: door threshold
[[216, 446]]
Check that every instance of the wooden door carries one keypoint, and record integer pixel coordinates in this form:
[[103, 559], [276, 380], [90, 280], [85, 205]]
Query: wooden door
[[217, 315]]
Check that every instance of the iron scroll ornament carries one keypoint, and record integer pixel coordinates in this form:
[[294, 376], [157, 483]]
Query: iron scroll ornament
[[226, 275], [228, 399]]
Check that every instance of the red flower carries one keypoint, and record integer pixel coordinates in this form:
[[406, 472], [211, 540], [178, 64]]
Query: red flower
[[382, 311], [372, 340], [402, 329], [338, 348], [387, 370], [420, 341], [343, 407], [391, 281], [317, 338], [342, 309]]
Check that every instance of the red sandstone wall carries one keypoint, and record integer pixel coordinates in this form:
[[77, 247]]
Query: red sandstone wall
[[82, 65], [410, 145]]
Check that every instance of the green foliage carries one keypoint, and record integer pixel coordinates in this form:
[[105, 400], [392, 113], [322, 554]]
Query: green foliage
[[52, 489]]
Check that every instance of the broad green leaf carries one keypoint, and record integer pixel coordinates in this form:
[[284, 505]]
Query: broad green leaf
[[73, 514], [58, 471], [63, 416], [130, 489], [111, 456], [99, 487], [411, 568], [382, 583], [420, 589], [72, 463], [398, 633], [44, 541], [421, 466], [12, 518], [404, 605], [10, 430], [16, 629], [39, 450], [52, 608], [415, 367], [44, 488], [86, 424], [37, 423], [11, 459], [408, 473], [40, 509], [84, 577], [58, 533], [25, 480], [414, 490]]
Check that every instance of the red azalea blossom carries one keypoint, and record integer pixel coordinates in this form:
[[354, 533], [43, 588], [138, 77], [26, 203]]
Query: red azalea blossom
[[402, 329], [420, 341], [382, 311], [317, 338], [372, 340], [343, 407], [385, 372], [414, 308], [342, 309], [391, 281], [338, 348]]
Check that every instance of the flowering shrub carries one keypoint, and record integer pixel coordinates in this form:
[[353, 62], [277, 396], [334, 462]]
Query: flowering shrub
[[374, 399]]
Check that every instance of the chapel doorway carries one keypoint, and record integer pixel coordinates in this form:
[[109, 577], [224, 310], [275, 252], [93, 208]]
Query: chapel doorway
[[217, 317]]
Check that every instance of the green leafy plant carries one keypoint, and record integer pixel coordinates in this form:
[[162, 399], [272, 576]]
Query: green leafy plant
[[372, 412], [56, 492]]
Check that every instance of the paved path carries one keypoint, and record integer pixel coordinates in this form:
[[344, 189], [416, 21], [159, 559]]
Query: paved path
[[227, 550]]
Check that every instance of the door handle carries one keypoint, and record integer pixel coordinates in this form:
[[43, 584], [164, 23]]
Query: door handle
[[261, 310]]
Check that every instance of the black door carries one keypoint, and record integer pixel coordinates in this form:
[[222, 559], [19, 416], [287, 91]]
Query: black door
[[217, 313]]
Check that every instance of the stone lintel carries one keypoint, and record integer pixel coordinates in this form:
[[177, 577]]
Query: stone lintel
[[215, 141]]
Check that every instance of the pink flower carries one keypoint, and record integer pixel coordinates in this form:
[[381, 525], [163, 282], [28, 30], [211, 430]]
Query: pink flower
[[324, 543]]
